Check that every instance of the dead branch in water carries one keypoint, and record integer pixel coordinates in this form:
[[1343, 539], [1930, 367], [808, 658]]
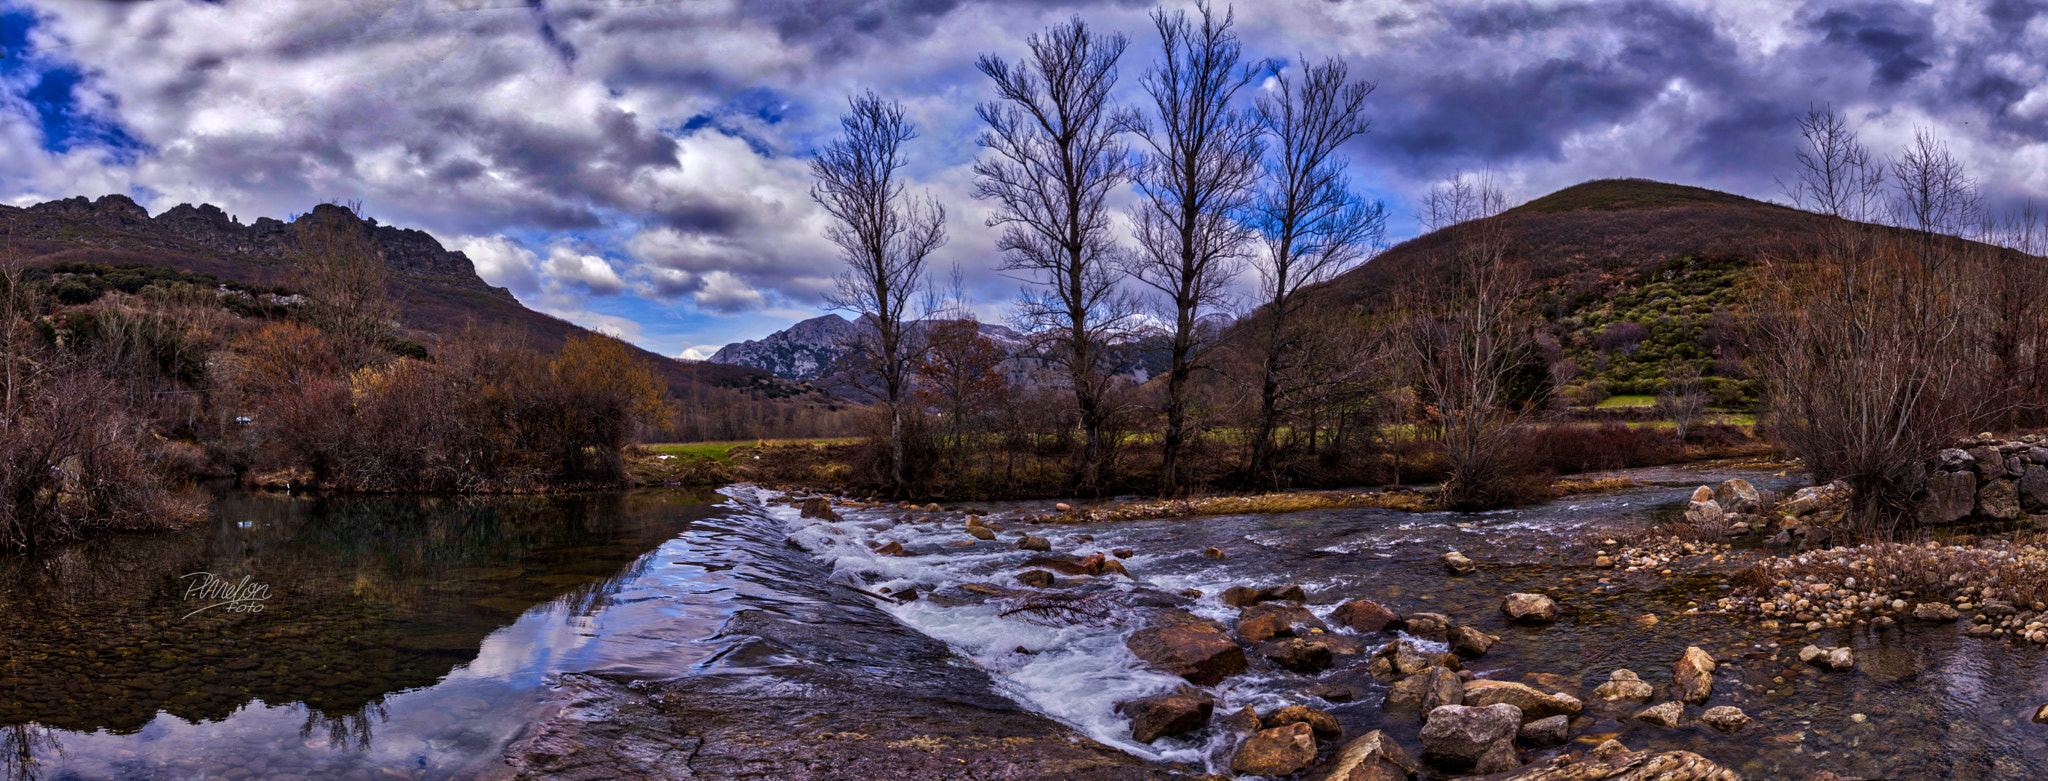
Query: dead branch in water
[[1059, 610]]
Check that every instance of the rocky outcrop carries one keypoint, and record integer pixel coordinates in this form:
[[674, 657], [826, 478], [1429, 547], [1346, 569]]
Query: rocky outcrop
[[1479, 740]]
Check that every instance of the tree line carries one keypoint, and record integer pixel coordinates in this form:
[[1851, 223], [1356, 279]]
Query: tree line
[[1913, 316]]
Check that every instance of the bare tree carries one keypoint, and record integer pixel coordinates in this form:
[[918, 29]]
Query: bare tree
[[1312, 224], [1468, 345], [342, 275], [1684, 399], [1054, 156], [2017, 300], [1866, 339], [1199, 177], [884, 239]]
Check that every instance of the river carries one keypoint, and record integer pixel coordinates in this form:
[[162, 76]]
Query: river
[[718, 635]]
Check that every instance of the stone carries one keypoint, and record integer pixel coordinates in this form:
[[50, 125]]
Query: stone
[[1408, 693], [1261, 627], [894, 548], [1988, 462], [1441, 687], [1123, 553], [1239, 596], [1736, 495], [1212, 553], [1167, 715], [1692, 676], [1703, 494], [1201, 654], [1060, 564], [1063, 507], [1726, 718], [819, 507], [1612, 761], [1324, 724], [1471, 643], [1950, 497], [1114, 567], [1457, 563], [1280, 751], [1282, 620], [1624, 686], [1434, 627], [1830, 658], [1530, 608], [1307, 657], [1404, 659], [1532, 702], [2041, 715], [1476, 739], [1669, 714], [1036, 578], [1244, 722], [981, 532], [1999, 500], [1703, 513], [1034, 542], [1287, 593], [1330, 692], [1364, 615], [1374, 757], [1545, 732], [1935, 611], [2033, 485]]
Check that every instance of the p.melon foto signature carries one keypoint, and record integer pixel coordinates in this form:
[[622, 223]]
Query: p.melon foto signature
[[237, 596]]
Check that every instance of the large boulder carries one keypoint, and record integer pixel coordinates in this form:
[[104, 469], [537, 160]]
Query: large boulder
[[1736, 495], [1624, 686], [1201, 654], [2033, 487], [1692, 676], [1365, 615], [1280, 751], [1950, 497], [1476, 739], [1532, 702], [1999, 500], [1167, 715], [1625, 765], [1374, 757], [1530, 608]]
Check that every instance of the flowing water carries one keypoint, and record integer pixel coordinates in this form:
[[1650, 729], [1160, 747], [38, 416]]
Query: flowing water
[[724, 636]]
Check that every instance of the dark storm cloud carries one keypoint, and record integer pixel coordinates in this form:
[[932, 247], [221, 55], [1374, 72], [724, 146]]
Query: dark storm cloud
[[1895, 38]]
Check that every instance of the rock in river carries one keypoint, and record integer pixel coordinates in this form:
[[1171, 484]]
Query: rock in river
[[1279, 751], [1034, 542], [1479, 740], [1544, 733], [1458, 563], [1165, 715], [1669, 714], [1692, 676], [1625, 765], [1530, 608], [1532, 702], [1626, 687], [1934, 611], [1831, 658], [1364, 615], [1201, 654], [1726, 718], [1434, 627], [1374, 757], [1307, 657], [1471, 643], [1322, 722]]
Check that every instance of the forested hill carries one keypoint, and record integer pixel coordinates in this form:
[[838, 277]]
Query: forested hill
[[437, 290]]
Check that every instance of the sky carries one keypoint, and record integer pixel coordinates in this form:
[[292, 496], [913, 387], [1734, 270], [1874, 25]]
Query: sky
[[639, 166]]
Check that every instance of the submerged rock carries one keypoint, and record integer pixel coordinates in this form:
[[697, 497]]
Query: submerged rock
[[819, 507], [1036, 578], [1476, 739], [1374, 757], [1201, 654], [1726, 718], [1166, 715], [1669, 714], [1035, 543], [1831, 658], [1279, 751], [1530, 608], [1624, 686], [1458, 563]]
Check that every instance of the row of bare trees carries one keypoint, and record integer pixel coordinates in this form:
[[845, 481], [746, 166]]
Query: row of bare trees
[[1913, 318], [1218, 181]]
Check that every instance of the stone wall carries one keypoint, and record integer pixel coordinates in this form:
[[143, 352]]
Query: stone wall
[[1986, 480]]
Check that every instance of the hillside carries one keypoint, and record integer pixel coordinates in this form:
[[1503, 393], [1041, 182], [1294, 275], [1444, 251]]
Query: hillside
[[811, 351], [437, 290]]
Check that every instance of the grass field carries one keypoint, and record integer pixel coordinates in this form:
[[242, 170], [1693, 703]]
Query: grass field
[[1613, 402], [722, 451]]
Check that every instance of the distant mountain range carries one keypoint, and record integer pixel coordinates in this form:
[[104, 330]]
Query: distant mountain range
[[437, 290], [811, 351]]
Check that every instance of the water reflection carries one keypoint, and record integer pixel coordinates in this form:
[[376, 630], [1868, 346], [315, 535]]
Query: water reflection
[[108, 669]]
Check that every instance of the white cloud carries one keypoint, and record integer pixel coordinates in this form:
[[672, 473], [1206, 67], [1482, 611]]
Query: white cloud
[[502, 262], [591, 272], [725, 293]]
